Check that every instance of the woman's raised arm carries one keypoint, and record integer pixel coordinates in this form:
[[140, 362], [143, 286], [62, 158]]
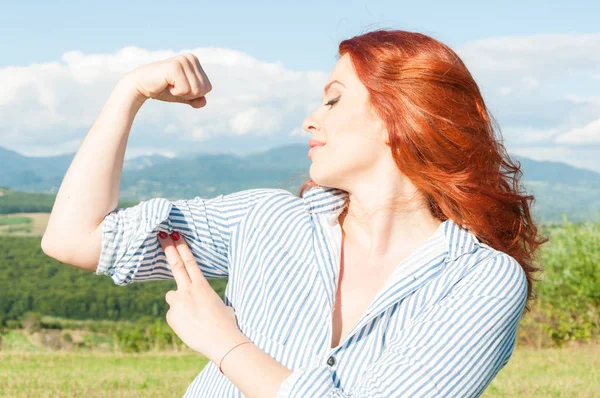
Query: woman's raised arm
[[90, 188]]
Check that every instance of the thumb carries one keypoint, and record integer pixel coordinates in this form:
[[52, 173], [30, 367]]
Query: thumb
[[168, 96], [196, 102]]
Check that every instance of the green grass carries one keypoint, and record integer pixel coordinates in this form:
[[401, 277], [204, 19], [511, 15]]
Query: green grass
[[553, 372], [23, 224], [566, 372], [17, 341], [68, 374], [6, 220]]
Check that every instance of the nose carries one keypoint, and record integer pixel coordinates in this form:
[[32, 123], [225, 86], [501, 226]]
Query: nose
[[310, 124]]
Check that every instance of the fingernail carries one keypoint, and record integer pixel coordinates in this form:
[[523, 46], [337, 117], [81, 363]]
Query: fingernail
[[162, 234], [175, 235]]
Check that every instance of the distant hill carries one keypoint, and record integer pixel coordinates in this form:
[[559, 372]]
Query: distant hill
[[559, 188]]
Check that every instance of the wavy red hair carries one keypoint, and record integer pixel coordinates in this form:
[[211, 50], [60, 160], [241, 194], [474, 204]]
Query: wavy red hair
[[444, 139]]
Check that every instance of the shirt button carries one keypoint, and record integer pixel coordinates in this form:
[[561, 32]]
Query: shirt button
[[331, 361]]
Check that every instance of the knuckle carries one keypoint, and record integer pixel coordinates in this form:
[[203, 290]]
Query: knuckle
[[177, 264], [191, 57], [191, 263], [195, 91]]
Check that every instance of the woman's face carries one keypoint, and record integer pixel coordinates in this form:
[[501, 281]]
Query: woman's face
[[354, 137]]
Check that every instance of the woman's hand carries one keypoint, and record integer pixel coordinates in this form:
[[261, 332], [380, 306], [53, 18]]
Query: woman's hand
[[197, 314], [176, 79]]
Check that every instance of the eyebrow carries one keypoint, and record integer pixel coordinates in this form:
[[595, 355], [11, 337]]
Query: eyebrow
[[329, 85]]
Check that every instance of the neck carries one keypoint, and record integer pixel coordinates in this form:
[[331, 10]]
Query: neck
[[387, 228]]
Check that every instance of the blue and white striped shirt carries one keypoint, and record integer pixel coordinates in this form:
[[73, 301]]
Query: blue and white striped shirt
[[443, 324]]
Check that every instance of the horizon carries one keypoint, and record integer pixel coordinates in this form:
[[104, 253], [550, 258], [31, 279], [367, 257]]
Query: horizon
[[257, 152]]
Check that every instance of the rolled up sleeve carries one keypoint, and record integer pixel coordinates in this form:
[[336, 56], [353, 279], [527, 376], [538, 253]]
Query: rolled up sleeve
[[130, 248]]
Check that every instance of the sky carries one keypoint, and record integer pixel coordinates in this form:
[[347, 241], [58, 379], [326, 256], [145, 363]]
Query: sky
[[537, 64]]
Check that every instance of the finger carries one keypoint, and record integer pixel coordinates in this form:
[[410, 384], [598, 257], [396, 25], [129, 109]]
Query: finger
[[203, 78], [190, 75], [178, 79], [175, 262], [197, 103], [192, 267], [170, 297], [200, 100], [194, 78]]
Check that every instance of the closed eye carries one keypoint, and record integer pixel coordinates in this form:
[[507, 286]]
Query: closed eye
[[332, 102]]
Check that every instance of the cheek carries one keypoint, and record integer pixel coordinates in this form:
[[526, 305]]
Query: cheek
[[343, 157], [352, 147], [340, 161]]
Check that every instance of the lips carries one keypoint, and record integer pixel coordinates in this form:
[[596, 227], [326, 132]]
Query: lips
[[313, 143]]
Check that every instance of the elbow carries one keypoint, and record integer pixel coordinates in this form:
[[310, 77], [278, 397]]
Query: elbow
[[45, 246], [48, 248], [66, 255]]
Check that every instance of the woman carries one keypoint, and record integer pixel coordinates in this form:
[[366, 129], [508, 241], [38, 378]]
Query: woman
[[402, 269]]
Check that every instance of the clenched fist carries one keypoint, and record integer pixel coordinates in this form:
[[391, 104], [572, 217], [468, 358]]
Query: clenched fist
[[176, 79]]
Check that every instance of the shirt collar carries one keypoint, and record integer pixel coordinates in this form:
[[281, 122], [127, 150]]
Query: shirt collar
[[332, 201]]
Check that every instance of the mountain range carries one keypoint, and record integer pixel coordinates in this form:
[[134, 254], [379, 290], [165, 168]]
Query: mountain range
[[560, 189]]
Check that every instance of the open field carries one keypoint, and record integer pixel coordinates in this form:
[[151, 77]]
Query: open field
[[24, 224], [567, 372]]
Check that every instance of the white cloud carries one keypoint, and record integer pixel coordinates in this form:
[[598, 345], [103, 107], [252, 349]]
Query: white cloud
[[590, 133], [521, 135], [58, 102], [539, 88], [260, 121], [583, 100], [535, 55], [298, 132], [171, 128], [518, 65]]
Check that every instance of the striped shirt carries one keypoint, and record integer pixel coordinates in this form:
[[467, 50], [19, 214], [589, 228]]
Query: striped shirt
[[443, 324]]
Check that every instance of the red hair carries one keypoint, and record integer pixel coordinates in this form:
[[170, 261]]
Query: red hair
[[443, 138]]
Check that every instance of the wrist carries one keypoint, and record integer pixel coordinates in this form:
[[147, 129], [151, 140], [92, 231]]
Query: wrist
[[232, 347], [127, 87]]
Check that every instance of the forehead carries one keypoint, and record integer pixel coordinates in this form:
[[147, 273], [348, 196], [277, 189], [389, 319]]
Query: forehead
[[343, 71]]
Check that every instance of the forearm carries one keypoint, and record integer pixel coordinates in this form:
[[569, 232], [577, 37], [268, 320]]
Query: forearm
[[90, 188], [254, 372]]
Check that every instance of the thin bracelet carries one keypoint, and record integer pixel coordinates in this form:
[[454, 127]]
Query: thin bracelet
[[228, 353]]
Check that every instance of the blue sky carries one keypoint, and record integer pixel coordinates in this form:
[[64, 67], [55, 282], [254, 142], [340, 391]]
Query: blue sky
[[302, 35], [60, 61]]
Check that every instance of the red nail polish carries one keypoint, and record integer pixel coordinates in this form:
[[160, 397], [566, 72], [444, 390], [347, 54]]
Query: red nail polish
[[175, 235], [162, 234]]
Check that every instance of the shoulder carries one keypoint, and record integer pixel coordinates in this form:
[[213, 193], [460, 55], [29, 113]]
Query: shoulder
[[239, 201], [272, 197], [279, 205], [492, 272], [253, 195]]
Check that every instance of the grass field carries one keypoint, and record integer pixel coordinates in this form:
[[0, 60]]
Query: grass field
[[24, 224], [567, 372]]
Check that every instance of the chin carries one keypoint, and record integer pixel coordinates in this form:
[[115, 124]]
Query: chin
[[323, 176]]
